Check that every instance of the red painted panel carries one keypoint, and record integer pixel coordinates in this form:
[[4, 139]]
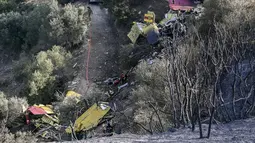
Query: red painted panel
[[181, 4], [36, 110]]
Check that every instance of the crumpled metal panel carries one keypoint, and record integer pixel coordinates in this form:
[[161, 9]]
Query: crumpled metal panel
[[36, 110], [90, 118], [181, 4]]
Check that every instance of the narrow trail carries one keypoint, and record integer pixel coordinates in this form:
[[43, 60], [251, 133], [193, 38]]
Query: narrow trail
[[104, 53], [103, 49]]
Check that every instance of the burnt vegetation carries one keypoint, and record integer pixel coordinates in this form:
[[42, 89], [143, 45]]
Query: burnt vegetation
[[205, 76]]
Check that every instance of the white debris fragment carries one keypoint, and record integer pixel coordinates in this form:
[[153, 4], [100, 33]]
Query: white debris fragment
[[74, 65], [122, 86], [150, 61]]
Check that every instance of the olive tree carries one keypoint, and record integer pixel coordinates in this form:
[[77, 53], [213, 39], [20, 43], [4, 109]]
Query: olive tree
[[42, 80]]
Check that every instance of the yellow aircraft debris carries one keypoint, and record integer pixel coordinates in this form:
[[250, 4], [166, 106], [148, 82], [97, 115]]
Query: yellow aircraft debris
[[91, 118]]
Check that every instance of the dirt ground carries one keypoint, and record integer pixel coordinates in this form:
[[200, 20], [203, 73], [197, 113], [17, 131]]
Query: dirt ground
[[241, 131], [103, 61]]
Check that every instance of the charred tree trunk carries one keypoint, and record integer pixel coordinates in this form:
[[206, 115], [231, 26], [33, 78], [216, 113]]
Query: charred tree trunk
[[171, 94], [214, 104]]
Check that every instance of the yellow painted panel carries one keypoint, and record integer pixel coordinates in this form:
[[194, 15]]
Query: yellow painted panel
[[90, 118], [72, 93], [149, 17], [47, 108], [149, 28], [168, 17], [134, 33]]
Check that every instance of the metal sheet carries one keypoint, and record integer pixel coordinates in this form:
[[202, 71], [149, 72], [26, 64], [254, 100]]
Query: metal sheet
[[72, 93], [181, 4], [46, 108], [152, 37], [90, 118], [36, 110], [149, 17], [135, 32]]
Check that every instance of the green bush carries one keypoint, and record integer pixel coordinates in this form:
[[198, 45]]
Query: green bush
[[19, 137], [152, 89], [16, 107], [11, 108], [20, 31], [42, 80], [43, 25], [46, 62], [9, 5], [3, 106], [11, 32], [120, 9], [35, 26], [68, 25]]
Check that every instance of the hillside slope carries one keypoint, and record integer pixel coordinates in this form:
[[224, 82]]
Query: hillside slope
[[234, 132]]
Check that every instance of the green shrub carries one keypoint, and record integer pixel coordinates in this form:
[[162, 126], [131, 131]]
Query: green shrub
[[11, 108], [42, 77], [43, 25], [153, 90], [120, 9], [68, 25], [11, 32], [9, 5], [19, 137], [21, 31], [16, 107], [3, 106], [35, 26]]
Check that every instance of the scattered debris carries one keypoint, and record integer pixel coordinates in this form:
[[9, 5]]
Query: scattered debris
[[40, 118], [116, 80], [111, 81], [72, 93], [154, 54], [174, 21], [74, 65], [122, 86], [150, 61], [108, 129], [152, 37], [182, 5], [90, 118]]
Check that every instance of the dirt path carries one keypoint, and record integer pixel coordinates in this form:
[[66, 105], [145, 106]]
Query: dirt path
[[103, 61]]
